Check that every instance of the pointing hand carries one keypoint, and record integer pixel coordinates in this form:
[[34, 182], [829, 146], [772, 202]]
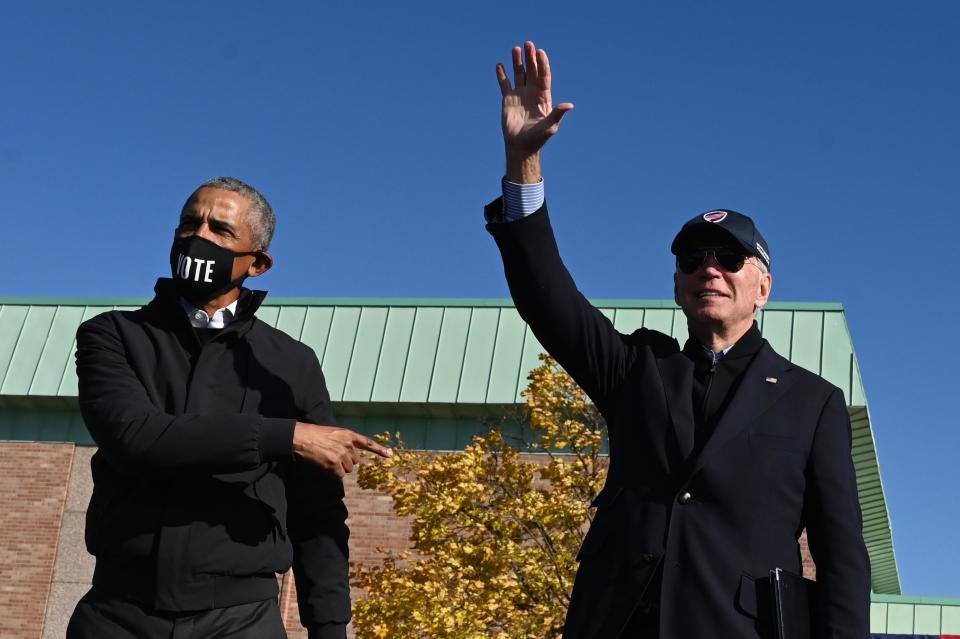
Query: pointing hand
[[333, 448]]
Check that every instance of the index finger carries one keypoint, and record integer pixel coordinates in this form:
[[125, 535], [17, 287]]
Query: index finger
[[368, 444]]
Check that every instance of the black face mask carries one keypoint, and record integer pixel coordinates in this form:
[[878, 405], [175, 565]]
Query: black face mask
[[201, 269]]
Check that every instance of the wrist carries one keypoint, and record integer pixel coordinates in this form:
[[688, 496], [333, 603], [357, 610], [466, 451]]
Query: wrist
[[523, 168], [297, 444]]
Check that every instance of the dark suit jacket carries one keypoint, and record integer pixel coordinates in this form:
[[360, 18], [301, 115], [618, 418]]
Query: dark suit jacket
[[777, 462]]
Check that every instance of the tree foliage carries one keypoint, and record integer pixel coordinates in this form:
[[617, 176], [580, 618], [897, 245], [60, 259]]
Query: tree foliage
[[494, 534]]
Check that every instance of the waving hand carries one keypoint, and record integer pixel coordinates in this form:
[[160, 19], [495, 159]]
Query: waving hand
[[529, 118]]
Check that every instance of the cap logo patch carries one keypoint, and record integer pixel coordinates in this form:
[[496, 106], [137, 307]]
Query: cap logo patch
[[715, 216]]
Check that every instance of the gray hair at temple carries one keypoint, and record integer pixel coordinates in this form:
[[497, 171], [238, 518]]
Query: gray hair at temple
[[261, 219]]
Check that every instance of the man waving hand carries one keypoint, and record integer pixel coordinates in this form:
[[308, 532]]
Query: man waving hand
[[721, 451]]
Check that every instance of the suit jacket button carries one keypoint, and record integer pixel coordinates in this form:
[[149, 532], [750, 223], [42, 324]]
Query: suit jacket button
[[684, 498], [647, 557]]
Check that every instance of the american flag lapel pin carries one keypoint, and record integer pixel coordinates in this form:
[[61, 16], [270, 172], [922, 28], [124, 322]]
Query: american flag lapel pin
[[771, 380]]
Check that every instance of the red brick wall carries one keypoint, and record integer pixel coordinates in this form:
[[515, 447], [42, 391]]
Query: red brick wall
[[372, 525], [33, 488], [809, 568]]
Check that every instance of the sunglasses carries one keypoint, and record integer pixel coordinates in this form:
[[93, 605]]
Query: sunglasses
[[729, 260]]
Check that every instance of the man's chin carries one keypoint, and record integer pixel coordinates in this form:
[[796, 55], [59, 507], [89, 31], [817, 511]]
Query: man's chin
[[706, 313], [704, 321]]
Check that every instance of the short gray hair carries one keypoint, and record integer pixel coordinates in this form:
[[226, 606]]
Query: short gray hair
[[261, 220]]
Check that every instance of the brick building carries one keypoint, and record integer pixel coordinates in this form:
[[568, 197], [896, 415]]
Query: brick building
[[431, 369]]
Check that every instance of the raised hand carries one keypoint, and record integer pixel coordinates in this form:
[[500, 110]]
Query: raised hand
[[332, 448], [529, 118]]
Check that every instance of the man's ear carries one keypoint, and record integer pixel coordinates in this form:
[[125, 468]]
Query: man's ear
[[676, 289], [763, 291], [262, 261]]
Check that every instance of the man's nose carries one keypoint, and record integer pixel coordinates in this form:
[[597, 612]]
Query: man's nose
[[711, 266], [203, 230]]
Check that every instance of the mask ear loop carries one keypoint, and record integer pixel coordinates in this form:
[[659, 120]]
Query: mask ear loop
[[232, 284]]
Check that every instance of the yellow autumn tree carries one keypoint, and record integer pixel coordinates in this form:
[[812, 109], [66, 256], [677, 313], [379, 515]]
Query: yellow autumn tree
[[494, 534]]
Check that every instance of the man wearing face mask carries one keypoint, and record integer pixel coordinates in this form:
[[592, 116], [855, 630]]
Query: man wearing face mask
[[218, 464]]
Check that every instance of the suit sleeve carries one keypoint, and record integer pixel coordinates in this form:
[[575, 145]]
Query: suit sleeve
[[835, 529], [316, 522], [575, 333], [137, 437]]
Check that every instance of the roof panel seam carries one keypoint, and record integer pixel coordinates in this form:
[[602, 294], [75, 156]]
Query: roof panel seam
[[303, 320], [43, 349], [463, 359], [66, 364], [496, 334], [376, 366], [326, 339], [406, 359], [523, 342], [436, 352], [353, 350], [13, 352]]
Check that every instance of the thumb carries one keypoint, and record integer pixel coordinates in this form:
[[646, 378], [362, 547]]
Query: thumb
[[550, 124], [559, 111]]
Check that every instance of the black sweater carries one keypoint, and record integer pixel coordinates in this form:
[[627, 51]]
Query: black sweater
[[714, 383], [197, 501]]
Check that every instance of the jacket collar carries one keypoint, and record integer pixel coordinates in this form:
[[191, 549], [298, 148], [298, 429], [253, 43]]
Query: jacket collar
[[168, 311], [765, 381], [168, 297], [753, 394], [748, 344]]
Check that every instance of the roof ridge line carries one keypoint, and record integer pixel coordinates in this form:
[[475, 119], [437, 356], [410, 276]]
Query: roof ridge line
[[398, 301]]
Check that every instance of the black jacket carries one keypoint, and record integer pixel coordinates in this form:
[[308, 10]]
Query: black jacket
[[197, 501], [718, 519]]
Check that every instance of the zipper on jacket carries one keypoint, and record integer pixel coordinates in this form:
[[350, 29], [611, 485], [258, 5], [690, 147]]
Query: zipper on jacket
[[706, 392]]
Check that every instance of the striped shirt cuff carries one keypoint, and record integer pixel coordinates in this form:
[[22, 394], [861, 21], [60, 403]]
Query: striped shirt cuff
[[520, 200]]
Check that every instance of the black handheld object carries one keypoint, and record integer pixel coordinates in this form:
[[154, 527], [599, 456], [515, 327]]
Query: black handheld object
[[791, 595]]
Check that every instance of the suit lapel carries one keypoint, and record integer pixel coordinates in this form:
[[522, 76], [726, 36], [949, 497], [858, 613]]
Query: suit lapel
[[764, 382], [676, 371]]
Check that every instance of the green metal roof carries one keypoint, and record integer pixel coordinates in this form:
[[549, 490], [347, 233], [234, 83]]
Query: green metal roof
[[411, 351], [427, 367]]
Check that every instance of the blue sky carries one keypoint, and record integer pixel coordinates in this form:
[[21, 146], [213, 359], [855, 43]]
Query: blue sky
[[373, 128]]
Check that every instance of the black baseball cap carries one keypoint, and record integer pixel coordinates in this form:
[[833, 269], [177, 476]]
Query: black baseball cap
[[737, 226]]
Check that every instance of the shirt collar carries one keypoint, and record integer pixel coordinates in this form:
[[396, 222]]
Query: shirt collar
[[199, 318], [747, 345], [715, 356]]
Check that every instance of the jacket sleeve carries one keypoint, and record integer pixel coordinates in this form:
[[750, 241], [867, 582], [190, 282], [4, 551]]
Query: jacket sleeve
[[137, 437], [575, 333], [316, 522], [835, 529]]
